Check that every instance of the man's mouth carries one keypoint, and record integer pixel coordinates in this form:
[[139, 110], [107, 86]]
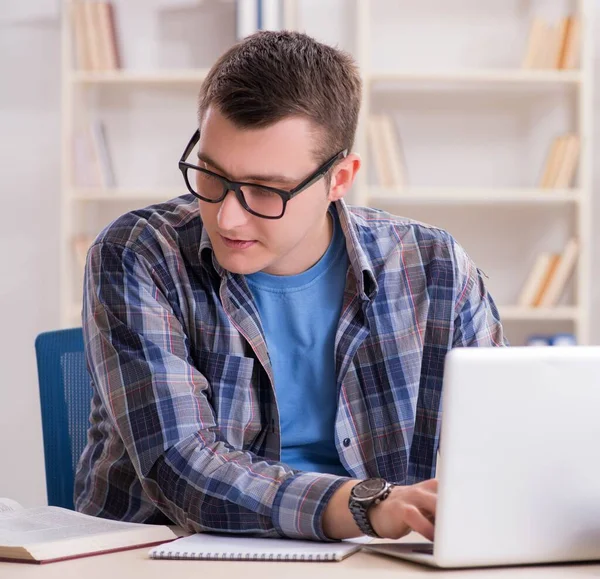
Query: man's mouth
[[237, 243]]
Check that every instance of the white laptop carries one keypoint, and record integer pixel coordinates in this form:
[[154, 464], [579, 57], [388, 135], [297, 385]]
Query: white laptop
[[519, 474]]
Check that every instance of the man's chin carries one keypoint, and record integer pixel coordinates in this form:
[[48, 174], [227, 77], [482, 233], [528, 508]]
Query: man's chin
[[240, 264]]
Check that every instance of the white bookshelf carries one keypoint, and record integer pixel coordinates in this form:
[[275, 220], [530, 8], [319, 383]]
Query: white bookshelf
[[123, 194], [125, 77], [455, 80], [377, 79], [478, 196], [561, 313]]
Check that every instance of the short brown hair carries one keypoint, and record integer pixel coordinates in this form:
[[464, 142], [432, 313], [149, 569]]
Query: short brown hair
[[270, 75]]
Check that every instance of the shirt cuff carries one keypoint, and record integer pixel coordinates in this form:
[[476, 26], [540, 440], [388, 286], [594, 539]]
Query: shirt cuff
[[300, 503]]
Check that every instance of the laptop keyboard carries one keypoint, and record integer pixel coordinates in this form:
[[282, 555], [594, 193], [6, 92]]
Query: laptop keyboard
[[426, 549]]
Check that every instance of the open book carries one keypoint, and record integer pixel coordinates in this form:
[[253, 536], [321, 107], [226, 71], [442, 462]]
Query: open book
[[46, 534]]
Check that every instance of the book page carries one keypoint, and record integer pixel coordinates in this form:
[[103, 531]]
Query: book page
[[52, 524], [204, 545], [9, 505]]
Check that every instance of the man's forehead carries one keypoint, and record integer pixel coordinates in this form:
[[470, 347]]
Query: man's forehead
[[285, 147]]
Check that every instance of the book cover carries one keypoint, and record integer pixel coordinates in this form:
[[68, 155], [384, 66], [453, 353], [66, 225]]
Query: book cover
[[533, 284], [86, 165], [393, 151], [538, 33], [106, 36], [569, 162], [271, 14], [560, 34], [92, 35], [554, 162], [48, 534], [565, 31], [563, 271], [82, 54], [549, 274], [247, 18], [378, 152], [103, 152], [114, 38], [572, 51]]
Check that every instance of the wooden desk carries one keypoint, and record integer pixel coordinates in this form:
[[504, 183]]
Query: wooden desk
[[136, 564]]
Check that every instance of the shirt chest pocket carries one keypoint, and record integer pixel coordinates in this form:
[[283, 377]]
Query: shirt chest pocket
[[232, 396]]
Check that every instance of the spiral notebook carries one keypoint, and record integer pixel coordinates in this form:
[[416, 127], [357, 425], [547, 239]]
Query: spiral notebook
[[205, 546]]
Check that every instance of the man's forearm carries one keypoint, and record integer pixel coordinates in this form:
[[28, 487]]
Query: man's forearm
[[338, 522]]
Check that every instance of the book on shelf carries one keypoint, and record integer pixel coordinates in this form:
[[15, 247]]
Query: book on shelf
[[561, 275], [386, 152], [561, 162], [86, 165], [49, 534], [255, 15], [92, 161], [95, 36], [548, 277], [544, 282], [270, 15], [571, 50], [246, 17], [553, 46], [536, 279], [560, 339], [538, 37]]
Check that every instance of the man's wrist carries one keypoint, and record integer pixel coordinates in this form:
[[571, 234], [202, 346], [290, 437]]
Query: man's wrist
[[338, 522]]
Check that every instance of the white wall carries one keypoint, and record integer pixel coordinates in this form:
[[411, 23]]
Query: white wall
[[29, 193], [29, 182]]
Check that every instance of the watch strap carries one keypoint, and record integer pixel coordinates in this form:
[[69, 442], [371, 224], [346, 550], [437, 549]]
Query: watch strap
[[359, 512]]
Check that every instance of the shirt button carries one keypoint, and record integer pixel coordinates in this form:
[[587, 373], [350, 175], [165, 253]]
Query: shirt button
[[346, 442]]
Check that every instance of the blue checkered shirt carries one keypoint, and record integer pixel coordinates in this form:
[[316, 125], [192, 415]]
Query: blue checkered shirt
[[184, 421]]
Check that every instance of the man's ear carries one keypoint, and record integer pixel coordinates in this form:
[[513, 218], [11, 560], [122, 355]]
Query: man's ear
[[343, 176]]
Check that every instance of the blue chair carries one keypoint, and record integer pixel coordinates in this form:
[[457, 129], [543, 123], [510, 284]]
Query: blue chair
[[65, 395]]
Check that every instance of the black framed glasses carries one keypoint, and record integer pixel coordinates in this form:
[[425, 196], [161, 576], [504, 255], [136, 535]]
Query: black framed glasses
[[259, 200]]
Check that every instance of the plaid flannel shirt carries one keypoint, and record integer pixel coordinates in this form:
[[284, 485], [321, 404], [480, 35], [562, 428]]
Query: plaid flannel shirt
[[184, 421]]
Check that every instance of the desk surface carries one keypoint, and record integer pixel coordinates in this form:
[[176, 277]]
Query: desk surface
[[135, 563]]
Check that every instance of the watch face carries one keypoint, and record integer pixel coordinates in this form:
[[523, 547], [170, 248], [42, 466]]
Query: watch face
[[369, 488]]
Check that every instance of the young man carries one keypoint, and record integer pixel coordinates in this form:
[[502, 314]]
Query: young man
[[266, 359]]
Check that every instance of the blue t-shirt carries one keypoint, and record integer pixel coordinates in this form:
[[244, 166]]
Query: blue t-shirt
[[300, 315]]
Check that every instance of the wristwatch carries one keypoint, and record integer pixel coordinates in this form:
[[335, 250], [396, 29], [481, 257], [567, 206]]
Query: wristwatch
[[364, 495]]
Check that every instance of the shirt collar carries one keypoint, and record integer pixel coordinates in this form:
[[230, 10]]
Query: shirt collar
[[359, 261]]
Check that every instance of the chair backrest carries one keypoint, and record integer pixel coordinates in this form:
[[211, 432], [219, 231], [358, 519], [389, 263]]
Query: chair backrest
[[65, 395]]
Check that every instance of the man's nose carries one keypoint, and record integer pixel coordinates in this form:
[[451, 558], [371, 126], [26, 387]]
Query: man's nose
[[231, 213]]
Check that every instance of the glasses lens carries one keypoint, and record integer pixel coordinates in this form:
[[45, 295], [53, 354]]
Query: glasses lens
[[263, 201], [205, 185]]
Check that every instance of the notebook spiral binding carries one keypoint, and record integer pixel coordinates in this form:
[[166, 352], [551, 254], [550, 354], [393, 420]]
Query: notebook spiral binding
[[182, 555]]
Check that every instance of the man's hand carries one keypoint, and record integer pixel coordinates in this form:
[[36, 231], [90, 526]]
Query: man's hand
[[408, 508]]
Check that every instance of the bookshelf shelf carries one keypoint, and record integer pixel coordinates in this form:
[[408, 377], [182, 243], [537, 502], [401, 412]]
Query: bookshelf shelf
[[560, 313], [126, 77], [122, 194], [509, 76], [481, 196]]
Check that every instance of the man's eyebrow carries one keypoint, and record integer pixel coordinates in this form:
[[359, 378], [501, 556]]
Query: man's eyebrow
[[264, 178]]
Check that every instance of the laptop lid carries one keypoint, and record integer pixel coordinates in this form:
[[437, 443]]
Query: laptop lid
[[519, 476]]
